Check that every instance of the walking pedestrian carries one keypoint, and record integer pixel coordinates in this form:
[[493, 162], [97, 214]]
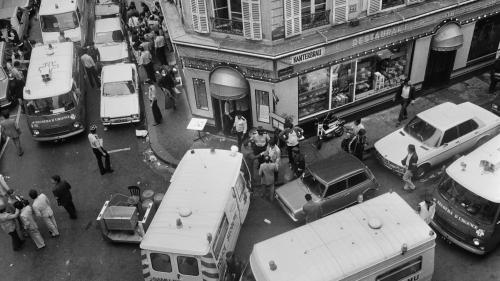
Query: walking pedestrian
[[154, 102], [11, 129], [8, 224], [240, 127], [96, 144], [405, 96], [160, 44], [312, 210], [41, 208], [167, 84], [146, 61], [267, 171], [29, 223], [357, 144], [410, 165], [299, 162], [274, 152], [62, 192], [427, 209], [291, 135], [494, 75], [91, 69]]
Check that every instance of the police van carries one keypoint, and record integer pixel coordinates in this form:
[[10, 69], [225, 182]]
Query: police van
[[69, 16], [54, 102], [382, 239], [199, 219]]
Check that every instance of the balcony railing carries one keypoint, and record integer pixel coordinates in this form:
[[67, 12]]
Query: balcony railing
[[314, 20], [227, 26]]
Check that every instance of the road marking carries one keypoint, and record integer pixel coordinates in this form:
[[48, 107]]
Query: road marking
[[118, 150]]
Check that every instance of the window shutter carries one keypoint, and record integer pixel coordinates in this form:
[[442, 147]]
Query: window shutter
[[340, 11], [374, 6], [199, 16], [293, 17], [252, 26]]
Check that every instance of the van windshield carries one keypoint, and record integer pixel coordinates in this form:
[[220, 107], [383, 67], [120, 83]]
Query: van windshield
[[118, 88], [313, 184], [462, 198], [59, 22], [108, 37], [423, 131], [50, 105]]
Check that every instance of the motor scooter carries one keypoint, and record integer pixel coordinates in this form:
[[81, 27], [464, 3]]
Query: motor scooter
[[329, 127]]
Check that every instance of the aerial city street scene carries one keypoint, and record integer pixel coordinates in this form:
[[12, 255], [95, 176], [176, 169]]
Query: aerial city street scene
[[249, 140]]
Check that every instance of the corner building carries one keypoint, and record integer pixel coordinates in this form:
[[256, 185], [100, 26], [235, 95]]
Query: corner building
[[303, 58]]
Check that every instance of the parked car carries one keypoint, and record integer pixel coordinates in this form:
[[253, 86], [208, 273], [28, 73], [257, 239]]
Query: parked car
[[336, 182], [438, 134], [110, 40], [109, 8], [120, 94]]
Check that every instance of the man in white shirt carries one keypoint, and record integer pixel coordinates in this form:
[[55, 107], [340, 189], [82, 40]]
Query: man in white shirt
[[405, 97], [160, 48], [91, 69], [99, 151], [41, 208], [240, 126]]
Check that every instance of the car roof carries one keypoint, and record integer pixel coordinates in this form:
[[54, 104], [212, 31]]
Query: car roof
[[335, 166], [108, 24], [117, 72], [445, 115]]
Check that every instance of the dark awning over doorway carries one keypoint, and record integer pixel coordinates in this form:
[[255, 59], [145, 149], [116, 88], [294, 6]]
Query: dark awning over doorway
[[228, 84], [448, 38]]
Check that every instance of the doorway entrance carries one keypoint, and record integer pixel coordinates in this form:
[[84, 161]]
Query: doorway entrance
[[226, 110], [439, 68]]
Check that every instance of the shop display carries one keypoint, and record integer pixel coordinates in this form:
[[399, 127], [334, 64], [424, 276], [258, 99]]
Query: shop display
[[342, 77], [313, 92]]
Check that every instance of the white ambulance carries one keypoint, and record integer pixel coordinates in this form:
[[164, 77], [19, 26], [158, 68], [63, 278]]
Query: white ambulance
[[63, 15], [199, 219], [380, 239]]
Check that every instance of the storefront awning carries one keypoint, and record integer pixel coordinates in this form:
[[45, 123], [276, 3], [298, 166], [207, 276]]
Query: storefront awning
[[228, 84], [447, 38]]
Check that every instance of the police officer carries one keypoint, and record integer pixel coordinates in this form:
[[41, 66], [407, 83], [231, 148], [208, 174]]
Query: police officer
[[99, 151]]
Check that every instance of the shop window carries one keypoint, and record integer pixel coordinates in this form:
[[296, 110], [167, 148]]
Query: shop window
[[188, 266], [200, 93], [342, 84], [387, 4], [160, 262], [228, 16], [262, 105], [313, 92], [485, 40]]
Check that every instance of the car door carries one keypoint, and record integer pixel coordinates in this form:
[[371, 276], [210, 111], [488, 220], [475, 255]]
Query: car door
[[469, 134], [449, 145], [334, 197], [356, 185]]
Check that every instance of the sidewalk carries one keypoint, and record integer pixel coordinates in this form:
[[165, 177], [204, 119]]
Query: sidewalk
[[170, 140]]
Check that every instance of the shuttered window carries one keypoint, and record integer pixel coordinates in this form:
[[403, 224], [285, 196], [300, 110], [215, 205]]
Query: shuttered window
[[252, 27], [339, 11], [374, 6], [293, 17], [199, 16]]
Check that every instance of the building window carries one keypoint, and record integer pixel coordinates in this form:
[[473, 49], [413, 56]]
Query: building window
[[313, 92], [200, 93], [485, 40], [262, 105], [387, 4], [228, 17], [342, 83], [314, 13]]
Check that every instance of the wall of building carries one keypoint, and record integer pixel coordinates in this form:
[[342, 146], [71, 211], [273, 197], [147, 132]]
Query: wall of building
[[287, 93], [262, 86], [420, 57], [189, 74], [463, 52]]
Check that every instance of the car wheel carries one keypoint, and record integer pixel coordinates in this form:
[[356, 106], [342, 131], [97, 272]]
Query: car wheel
[[422, 170]]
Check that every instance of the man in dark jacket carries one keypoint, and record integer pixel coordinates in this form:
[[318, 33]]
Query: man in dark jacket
[[410, 165], [63, 195], [404, 96], [495, 76]]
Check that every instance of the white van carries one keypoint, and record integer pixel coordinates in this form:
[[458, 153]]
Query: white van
[[380, 239], [63, 15], [199, 219]]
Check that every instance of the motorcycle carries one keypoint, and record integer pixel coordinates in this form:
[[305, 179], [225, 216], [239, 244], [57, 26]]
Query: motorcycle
[[329, 127]]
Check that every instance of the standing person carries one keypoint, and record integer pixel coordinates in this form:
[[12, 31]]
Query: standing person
[[357, 144], [154, 102], [99, 151], [291, 135], [410, 165], [160, 44], [405, 96], [259, 140], [146, 60], [357, 126], [91, 69], [299, 162], [63, 195], [8, 224], [167, 84], [494, 75], [267, 171], [234, 267], [12, 36], [29, 223], [94, 52], [41, 208], [240, 127], [12, 130], [312, 210], [274, 152], [427, 209]]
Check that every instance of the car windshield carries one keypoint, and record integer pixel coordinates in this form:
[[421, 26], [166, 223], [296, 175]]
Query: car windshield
[[470, 203], [118, 88], [313, 184], [423, 131], [59, 22], [50, 105], [108, 37]]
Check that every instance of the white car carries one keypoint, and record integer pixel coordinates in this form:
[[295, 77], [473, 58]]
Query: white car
[[120, 94], [110, 40], [438, 134]]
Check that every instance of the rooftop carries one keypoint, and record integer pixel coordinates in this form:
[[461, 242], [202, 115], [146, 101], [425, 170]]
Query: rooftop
[[117, 72], [48, 7], [202, 184], [445, 115], [336, 166]]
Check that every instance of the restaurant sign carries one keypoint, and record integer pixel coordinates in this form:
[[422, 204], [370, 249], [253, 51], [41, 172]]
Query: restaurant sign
[[307, 56]]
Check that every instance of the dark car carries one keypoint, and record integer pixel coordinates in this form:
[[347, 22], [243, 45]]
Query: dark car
[[336, 182]]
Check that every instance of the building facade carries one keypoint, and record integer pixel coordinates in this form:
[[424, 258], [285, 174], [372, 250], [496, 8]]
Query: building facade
[[271, 59]]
